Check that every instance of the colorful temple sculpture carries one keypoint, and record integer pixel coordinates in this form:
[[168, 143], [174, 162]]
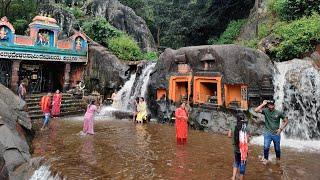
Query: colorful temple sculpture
[[41, 60], [213, 76]]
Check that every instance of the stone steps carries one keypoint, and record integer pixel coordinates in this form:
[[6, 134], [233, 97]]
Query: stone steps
[[70, 105]]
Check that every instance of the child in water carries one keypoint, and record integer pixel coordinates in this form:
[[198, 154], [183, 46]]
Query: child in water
[[240, 138]]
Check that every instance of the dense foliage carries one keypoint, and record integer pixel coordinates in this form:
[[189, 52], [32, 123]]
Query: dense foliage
[[230, 34], [125, 48], [19, 12], [296, 37], [118, 42], [177, 23], [294, 9]]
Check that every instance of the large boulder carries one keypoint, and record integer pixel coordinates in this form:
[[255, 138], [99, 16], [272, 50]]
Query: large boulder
[[14, 123], [125, 19], [235, 64], [105, 68]]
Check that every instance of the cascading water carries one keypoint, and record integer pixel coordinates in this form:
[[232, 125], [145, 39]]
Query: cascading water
[[297, 93], [44, 173], [142, 83], [123, 96], [136, 86]]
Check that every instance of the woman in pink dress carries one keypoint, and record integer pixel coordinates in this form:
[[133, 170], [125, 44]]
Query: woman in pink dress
[[56, 104], [88, 118]]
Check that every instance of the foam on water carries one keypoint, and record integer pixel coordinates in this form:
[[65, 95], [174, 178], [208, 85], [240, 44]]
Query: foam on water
[[298, 145], [44, 173]]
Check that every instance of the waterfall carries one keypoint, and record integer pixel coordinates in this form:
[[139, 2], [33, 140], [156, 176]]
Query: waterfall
[[123, 96], [136, 86], [297, 93]]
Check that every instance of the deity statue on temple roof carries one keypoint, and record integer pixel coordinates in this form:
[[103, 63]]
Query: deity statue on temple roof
[[3, 33], [78, 44]]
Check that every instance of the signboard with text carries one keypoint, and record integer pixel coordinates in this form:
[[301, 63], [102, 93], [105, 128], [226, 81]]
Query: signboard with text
[[41, 57]]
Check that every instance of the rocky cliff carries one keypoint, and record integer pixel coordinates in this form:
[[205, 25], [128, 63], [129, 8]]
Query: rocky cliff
[[14, 122], [120, 16], [125, 19], [105, 68]]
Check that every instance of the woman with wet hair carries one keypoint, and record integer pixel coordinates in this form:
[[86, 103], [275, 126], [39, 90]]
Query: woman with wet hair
[[240, 138], [88, 118], [181, 123]]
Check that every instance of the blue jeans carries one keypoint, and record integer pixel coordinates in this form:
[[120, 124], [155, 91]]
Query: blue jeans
[[46, 118], [238, 164], [268, 137]]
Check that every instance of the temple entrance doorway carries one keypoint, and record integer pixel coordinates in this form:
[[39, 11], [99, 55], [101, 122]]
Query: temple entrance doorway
[[5, 71], [42, 76]]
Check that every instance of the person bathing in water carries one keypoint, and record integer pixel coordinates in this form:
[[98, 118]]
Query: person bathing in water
[[272, 128], [88, 118], [240, 138], [181, 122], [135, 109], [141, 110]]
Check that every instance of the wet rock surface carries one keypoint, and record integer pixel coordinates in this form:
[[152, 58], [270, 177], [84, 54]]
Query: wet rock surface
[[14, 123]]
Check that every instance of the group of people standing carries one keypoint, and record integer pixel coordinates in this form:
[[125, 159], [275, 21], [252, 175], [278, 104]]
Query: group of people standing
[[240, 133], [50, 108]]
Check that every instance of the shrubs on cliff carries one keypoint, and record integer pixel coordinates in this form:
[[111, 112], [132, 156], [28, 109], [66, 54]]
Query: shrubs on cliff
[[230, 34], [125, 48], [118, 42], [296, 36], [289, 10]]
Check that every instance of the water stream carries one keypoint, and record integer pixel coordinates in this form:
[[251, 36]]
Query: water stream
[[122, 150], [136, 86]]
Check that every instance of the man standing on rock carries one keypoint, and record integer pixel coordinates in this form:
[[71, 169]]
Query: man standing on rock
[[272, 129], [45, 105]]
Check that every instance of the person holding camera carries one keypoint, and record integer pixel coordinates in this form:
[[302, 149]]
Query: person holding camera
[[272, 129]]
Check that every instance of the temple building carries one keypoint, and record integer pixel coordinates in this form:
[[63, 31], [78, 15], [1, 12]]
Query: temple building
[[40, 59]]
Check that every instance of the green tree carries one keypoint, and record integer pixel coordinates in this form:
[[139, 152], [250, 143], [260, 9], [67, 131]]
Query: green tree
[[293, 9]]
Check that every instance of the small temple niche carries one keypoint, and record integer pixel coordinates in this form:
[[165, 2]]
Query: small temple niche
[[180, 88], [207, 90], [236, 96]]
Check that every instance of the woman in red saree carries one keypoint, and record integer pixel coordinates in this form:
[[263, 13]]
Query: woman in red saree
[[56, 104], [181, 115]]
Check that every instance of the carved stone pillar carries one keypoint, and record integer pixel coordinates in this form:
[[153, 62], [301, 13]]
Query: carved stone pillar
[[14, 75], [66, 84]]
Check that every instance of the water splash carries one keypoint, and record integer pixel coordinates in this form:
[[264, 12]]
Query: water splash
[[297, 92], [123, 96], [44, 173], [299, 145]]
